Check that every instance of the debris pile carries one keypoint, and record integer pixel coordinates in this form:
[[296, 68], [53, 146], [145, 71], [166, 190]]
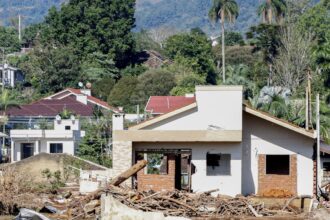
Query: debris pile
[[69, 204], [17, 190], [175, 203]]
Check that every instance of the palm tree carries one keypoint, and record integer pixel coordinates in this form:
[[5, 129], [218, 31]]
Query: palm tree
[[272, 8], [224, 10], [5, 103]]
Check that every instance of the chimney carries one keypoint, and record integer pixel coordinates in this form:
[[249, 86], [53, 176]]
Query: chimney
[[190, 95], [86, 92], [118, 121], [82, 98], [224, 102]]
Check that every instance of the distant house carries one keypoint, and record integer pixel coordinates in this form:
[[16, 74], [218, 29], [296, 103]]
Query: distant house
[[153, 59], [10, 76], [63, 138], [78, 101], [216, 142], [158, 105]]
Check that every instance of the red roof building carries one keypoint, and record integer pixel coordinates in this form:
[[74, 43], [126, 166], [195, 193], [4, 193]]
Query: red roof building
[[158, 105], [78, 101]]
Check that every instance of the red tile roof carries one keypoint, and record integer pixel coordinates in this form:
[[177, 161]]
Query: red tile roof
[[90, 99], [51, 108], [165, 104]]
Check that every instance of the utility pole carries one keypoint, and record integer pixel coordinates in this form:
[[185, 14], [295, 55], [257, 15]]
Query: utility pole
[[138, 114], [308, 112], [19, 28], [318, 141]]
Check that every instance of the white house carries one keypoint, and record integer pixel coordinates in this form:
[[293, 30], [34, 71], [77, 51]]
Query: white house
[[10, 76], [217, 142], [64, 138]]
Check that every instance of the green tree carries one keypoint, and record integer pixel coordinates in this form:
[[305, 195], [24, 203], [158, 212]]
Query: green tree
[[271, 9], [98, 66], [233, 38], [95, 26], [192, 49], [266, 38], [187, 84], [155, 82], [240, 75], [122, 92], [103, 87], [145, 42], [95, 145], [31, 34], [6, 101], [224, 10], [317, 21], [9, 41], [51, 69]]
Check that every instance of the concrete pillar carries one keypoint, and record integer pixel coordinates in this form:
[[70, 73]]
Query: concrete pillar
[[118, 121], [12, 151], [36, 148], [19, 152], [122, 154]]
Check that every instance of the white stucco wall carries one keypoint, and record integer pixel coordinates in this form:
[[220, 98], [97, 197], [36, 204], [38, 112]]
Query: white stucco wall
[[68, 146], [227, 184], [262, 137], [60, 125], [219, 107]]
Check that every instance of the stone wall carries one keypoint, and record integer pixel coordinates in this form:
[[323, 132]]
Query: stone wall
[[122, 158]]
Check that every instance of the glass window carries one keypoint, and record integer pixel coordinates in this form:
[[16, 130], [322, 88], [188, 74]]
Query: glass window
[[56, 148], [218, 164], [67, 127]]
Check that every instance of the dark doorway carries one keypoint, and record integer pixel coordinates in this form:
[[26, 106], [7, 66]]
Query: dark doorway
[[27, 150]]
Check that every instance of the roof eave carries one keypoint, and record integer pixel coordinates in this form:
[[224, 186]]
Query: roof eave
[[277, 121]]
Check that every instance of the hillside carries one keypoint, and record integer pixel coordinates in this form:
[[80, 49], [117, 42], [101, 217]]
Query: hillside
[[179, 14], [183, 14], [32, 11]]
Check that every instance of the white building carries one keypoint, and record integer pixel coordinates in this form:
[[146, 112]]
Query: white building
[[10, 76], [64, 138], [217, 142]]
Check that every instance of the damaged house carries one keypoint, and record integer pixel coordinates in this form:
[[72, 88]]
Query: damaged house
[[217, 142]]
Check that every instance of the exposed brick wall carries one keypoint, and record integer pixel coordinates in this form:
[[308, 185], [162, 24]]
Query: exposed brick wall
[[158, 182], [269, 182]]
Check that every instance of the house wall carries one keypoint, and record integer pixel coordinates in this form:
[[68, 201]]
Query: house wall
[[60, 125], [68, 146], [220, 107], [227, 184], [261, 138]]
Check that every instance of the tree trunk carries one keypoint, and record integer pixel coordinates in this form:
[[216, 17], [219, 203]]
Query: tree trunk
[[3, 141], [269, 82], [128, 173], [223, 48], [269, 12]]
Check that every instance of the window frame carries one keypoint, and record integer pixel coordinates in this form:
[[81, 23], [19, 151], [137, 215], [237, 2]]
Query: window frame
[[56, 145], [220, 172]]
